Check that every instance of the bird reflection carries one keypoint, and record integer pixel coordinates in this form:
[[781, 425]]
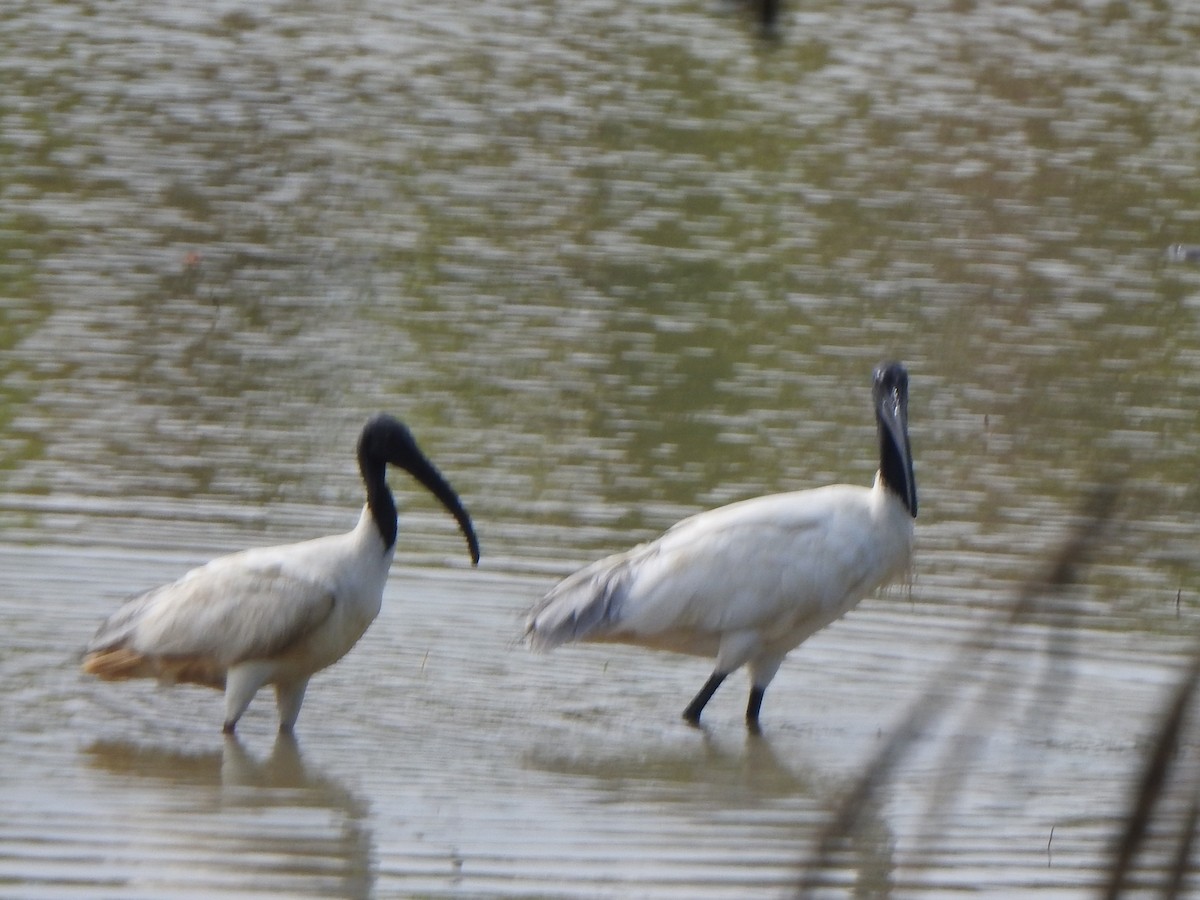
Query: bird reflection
[[285, 768], [711, 770], [742, 779], [232, 765], [277, 790]]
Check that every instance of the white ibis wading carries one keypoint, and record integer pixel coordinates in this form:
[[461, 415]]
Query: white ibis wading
[[748, 582], [274, 615]]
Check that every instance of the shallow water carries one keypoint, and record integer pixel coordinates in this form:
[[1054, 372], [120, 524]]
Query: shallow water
[[614, 264], [439, 758]]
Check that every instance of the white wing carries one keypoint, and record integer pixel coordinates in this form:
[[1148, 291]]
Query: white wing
[[768, 563], [239, 607]]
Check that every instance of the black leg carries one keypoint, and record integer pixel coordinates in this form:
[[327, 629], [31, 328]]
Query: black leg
[[692, 713], [752, 708]]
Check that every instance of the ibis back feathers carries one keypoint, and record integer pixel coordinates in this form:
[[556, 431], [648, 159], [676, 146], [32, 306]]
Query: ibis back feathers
[[756, 555]]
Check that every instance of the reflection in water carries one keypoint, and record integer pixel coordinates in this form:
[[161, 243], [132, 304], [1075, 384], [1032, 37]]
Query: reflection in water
[[753, 770], [747, 783], [270, 824]]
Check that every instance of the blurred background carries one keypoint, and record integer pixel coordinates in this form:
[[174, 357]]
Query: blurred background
[[614, 263]]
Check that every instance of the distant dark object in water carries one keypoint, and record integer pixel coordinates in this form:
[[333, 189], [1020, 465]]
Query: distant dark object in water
[[764, 12], [1183, 253], [768, 14]]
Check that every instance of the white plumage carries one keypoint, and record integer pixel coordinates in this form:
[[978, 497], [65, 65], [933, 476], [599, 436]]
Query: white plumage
[[748, 582], [274, 615]]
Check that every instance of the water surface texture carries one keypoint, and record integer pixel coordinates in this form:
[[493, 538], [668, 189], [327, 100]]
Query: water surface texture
[[614, 263]]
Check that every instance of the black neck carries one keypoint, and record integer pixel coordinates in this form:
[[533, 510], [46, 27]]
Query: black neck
[[896, 470], [380, 500]]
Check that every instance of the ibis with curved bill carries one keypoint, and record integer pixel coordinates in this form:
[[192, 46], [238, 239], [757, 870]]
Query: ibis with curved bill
[[274, 615], [748, 582]]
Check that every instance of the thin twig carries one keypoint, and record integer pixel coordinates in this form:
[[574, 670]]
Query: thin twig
[[1061, 572], [1152, 783]]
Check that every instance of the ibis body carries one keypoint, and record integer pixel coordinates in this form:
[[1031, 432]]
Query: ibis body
[[748, 582], [274, 615]]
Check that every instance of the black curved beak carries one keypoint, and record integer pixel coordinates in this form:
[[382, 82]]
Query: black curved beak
[[891, 414], [424, 471]]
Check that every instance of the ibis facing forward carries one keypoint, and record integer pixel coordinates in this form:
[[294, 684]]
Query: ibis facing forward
[[748, 582], [274, 615]]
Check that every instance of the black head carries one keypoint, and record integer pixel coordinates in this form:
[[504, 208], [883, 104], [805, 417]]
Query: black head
[[386, 440], [891, 413]]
